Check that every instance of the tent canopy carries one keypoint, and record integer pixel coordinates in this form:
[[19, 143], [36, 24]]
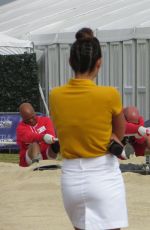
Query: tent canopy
[[10, 45], [49, 21]]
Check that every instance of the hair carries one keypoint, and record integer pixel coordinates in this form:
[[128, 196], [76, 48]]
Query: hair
[[85, 51]]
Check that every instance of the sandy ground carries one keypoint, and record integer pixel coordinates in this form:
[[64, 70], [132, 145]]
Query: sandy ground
[[31, 200]]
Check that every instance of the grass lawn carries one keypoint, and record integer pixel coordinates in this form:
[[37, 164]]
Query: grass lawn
[[14, 157], [9, 157]]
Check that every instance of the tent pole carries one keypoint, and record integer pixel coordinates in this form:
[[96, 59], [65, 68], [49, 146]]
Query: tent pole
[[43, 99]]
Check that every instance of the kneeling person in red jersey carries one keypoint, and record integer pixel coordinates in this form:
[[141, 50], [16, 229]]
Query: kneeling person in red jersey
[[140, 135], [35, 137], [137, 138]]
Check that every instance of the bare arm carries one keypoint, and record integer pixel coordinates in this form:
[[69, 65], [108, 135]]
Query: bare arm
[[118, 125]]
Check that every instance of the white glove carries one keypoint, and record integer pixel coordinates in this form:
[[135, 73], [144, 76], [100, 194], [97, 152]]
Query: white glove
[[143, 131], [49, 139]]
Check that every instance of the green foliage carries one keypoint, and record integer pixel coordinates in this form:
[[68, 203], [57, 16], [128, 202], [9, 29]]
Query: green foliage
[[18, 81]]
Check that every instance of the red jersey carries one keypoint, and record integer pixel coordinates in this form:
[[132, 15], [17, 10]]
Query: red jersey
[[132, 128], [139, 144], [27, 134]]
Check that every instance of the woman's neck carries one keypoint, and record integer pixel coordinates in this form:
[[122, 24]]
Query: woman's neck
[[85, 76]]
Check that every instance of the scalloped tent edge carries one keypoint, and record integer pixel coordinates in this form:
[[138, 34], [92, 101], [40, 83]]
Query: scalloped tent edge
[[10, 45]]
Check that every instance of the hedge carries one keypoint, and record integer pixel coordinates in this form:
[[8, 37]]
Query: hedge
[[18, 82]]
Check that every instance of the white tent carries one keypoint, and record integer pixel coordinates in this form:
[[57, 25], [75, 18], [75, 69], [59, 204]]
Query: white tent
[[122, 26], [10, 45], [48, 21]]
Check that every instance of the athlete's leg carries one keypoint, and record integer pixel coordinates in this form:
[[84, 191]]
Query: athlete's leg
[[34, 152], [147, 142], [139, 149]]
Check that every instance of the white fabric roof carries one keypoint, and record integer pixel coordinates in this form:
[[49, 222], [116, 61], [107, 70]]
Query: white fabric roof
[[10, 45], [7, 41], [49, 21]]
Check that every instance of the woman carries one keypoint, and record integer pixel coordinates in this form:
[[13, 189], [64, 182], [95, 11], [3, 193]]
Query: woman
[[85, 115]]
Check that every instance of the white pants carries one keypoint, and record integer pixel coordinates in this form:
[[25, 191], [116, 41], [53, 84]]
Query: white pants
[[93, 193]]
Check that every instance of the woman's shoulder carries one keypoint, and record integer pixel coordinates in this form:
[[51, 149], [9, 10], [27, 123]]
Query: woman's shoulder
[[57, 89], [108, 89]]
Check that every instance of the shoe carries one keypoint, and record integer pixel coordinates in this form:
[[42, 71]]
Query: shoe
[[36, 159]]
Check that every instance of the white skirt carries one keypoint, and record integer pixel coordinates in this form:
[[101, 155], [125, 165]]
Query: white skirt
[[93, 193]]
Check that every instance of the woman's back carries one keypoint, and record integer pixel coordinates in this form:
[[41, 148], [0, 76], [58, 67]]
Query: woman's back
[[84, 121]]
